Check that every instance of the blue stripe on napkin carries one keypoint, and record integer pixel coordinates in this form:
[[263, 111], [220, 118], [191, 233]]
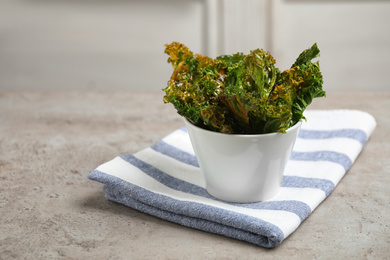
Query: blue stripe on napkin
[[165, 178], [314, 183], [171, 151], [356, 134], [330, 156]]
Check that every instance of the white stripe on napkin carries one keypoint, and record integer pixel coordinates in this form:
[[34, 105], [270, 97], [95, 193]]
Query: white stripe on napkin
[[323, 170], [350, 147], [180, 138], [339, 119]]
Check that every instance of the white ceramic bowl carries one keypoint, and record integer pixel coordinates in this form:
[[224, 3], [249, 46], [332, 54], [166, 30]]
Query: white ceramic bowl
[[242, 168]]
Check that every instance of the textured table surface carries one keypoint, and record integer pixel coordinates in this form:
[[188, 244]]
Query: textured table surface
[[51, 140]]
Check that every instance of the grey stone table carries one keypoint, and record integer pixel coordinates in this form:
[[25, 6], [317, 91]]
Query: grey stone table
[[51, 140]]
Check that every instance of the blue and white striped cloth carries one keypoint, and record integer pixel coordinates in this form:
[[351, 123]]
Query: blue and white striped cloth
[[165, 181]]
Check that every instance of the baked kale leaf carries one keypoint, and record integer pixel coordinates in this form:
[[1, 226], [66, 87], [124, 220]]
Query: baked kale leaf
[[242, 94]]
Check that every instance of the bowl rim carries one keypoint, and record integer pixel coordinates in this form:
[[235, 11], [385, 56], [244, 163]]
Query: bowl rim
[[290, 129]]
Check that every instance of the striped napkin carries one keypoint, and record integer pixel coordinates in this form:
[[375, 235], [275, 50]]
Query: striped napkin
[[165, 181]]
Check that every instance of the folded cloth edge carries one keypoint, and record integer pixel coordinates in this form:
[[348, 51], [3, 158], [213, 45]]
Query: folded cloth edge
[[141, 199]]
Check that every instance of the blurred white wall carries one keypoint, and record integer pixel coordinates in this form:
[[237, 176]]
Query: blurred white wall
[[119, 44], [93, 44], [353, 36]]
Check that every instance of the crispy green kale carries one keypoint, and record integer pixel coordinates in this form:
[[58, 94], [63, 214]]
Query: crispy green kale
[[242, 94]]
